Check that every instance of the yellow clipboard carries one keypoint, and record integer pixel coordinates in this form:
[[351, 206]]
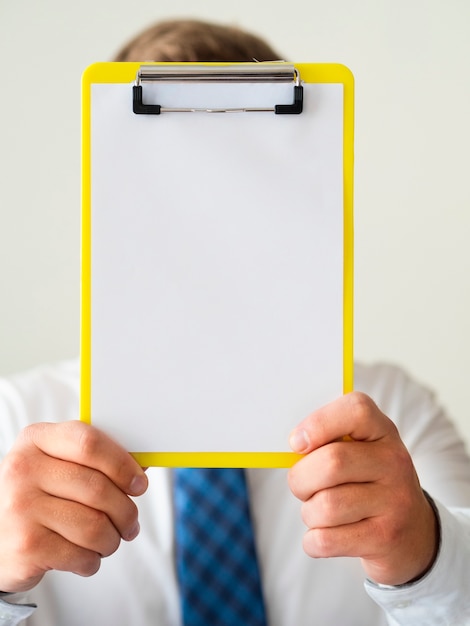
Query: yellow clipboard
[[217, 256]]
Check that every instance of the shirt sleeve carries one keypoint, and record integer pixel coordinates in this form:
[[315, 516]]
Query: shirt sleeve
[[12, 613], [443, 465], [441, 596]]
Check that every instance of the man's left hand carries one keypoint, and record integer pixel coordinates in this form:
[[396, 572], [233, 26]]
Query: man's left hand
[[360, 493]]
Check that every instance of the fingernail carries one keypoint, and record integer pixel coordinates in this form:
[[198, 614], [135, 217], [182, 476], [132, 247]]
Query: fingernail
[[299, 440], [138, 485], [133, 533]]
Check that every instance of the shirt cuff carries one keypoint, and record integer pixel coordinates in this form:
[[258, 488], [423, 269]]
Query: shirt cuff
[[12, 613], [441, 595]]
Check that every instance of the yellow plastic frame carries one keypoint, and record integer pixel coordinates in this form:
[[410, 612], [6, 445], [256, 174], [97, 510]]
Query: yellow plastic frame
[[125, 73]]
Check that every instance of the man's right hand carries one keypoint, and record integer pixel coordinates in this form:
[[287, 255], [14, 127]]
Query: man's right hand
[[64, 502]]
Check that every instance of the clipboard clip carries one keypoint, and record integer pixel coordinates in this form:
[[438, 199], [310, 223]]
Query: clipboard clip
[[246, 72]]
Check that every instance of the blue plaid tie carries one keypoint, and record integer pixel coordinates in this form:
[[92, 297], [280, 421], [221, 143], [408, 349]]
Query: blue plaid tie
[[215, 552]]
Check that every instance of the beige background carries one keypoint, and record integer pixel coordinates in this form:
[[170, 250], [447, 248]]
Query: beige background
[[410, 60]]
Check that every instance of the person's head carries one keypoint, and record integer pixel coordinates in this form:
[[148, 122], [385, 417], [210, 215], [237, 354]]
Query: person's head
[[193, 41]]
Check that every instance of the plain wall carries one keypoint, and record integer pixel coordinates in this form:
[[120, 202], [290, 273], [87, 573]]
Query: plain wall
[[412, 194]]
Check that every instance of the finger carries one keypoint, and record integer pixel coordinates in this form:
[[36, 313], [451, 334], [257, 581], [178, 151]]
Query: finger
[[338, 463], [89, 487], [354, 414], [345, 504], [359, 539], [36, 550], [68, 557], [82, 443], [80, 525], [394, 548]]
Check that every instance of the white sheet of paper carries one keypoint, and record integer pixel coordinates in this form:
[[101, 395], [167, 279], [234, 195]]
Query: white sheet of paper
[[217, 267]]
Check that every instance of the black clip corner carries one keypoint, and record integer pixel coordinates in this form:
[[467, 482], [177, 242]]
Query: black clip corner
[[139, 107], [296, 107]]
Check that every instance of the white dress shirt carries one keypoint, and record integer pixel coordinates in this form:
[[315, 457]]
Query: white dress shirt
[[137, 585]]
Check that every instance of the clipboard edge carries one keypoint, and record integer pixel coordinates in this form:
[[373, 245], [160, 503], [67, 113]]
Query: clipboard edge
[[125, 72], [217, 459], [85, 264], [112, 72]]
